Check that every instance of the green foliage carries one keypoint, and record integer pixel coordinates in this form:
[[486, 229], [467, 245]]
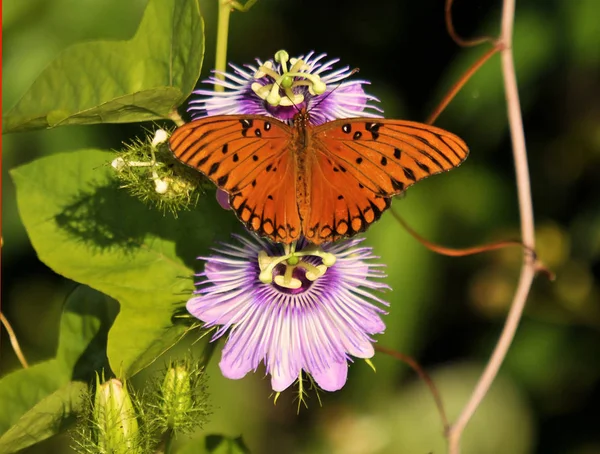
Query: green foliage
[[39, 401], [87, 229], [144, 78], [215, 444]]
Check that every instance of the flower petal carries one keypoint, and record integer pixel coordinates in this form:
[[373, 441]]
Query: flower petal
[[223, 199], [282, 378], [332, 378], [234, 368]]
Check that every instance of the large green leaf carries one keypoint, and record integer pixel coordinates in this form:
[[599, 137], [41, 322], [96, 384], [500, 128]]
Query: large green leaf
[[87, 229], [46, 393], [50, 416], [144, 78]]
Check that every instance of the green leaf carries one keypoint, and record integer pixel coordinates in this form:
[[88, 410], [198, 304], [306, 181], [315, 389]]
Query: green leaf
[[142, 79], [87, 229], [47, 388], [215, 444], [50, 416]]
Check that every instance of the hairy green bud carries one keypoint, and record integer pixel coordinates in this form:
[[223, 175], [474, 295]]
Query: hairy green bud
[[148, 169], [182, 399], [115, 426]]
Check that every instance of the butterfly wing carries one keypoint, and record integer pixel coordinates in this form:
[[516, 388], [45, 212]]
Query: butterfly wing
[[359, 163], [249, 157]]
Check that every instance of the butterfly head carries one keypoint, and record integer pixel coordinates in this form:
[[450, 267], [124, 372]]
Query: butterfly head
[[302, 118]]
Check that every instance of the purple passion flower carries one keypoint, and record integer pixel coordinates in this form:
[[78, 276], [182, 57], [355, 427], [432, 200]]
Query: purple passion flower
[[305, 310], [281, 87]]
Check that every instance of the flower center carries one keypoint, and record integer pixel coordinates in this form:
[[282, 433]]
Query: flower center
[[291, 270], [297, 76]]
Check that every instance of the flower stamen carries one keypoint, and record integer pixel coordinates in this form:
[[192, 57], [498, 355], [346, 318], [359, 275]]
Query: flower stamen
[[286, 81], [282, 86], [291, 260], [287, 280], [281, 56]]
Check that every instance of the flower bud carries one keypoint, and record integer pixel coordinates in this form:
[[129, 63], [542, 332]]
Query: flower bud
[[177, 394], [182, 404], [150, 172], [115, 425]]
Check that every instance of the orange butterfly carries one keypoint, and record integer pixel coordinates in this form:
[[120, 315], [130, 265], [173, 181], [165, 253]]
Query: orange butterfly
[[323, 182]]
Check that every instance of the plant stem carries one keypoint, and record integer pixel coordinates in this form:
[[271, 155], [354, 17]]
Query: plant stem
[[14, 341], [222, 35], [460, 83], [528, 268], [176, 118]]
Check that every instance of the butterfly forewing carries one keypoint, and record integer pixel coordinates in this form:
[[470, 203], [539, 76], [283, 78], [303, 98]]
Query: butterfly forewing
[[248, 156], [360, 163], [389, 155]]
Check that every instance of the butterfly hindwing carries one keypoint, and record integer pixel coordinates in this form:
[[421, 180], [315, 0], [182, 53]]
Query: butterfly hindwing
[[340, 205], [267, 206]]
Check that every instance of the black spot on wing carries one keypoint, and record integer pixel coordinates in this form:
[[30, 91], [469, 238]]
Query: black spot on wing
[[408, 173], [373, 128], [424, 167], [397, 185], [213, 169]]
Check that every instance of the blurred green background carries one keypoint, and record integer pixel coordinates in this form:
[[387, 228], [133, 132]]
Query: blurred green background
[[446, 312]]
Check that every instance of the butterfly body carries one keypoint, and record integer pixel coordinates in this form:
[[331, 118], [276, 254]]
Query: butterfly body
[[322, 182], [304, 159]]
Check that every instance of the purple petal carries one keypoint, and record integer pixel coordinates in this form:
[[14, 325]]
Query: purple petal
[[333, 378], [223, 199]]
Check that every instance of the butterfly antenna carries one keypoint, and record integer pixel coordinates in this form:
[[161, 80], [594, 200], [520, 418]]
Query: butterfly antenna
[[354, 71]]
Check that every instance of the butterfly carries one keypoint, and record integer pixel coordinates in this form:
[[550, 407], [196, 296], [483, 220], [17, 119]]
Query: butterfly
[[322, 182]]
